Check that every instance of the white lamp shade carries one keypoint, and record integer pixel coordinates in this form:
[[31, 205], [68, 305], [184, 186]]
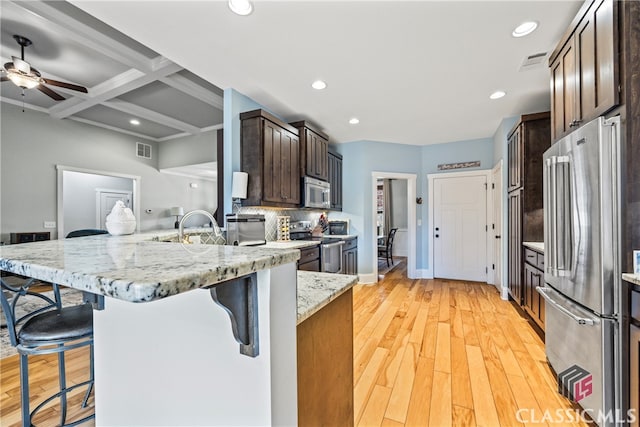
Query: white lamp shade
[[239, 185], [177, 210]]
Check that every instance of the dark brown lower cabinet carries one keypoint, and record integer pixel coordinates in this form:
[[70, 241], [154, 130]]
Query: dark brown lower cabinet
[[515, 245], [532, 302], [325, 365], [309, 259], [350, 256]]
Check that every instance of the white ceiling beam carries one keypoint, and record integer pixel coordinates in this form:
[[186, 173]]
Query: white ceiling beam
[[183, 134], [153, 116], [86, 35], [185, 85], [116, 86]]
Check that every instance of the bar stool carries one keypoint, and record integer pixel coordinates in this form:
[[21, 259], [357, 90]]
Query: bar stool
[[48, 329]]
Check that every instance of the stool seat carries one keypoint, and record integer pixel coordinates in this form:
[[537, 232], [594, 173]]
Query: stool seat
[[66, 324]]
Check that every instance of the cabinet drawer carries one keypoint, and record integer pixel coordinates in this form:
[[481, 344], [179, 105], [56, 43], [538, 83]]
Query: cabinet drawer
[[309, 254], [310, 266], [350, 244], [536, 259]]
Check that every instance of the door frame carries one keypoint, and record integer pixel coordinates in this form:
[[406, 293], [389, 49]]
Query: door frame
[[411, 219], [489, 207], [496, 173]]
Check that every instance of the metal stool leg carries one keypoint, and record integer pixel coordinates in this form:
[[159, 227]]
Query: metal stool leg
[[88, 393], [24, 390], [63, 386]]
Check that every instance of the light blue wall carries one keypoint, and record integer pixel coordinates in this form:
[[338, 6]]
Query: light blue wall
[[361, 158]]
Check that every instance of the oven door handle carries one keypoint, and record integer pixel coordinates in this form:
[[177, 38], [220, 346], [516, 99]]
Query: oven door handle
[[331, 245]]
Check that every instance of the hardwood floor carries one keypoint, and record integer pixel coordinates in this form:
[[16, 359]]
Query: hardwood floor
[[448, 353], [426, 353]]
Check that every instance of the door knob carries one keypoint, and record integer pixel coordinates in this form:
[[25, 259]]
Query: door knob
[[437, 235], [498, 236]]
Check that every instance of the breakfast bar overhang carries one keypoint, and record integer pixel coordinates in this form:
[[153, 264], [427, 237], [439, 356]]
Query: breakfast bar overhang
[[166, 351]]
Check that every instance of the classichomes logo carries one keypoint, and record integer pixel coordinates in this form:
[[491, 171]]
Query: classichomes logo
[[575, 383]]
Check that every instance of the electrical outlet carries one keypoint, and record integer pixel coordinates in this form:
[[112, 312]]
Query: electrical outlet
[[49, 224]]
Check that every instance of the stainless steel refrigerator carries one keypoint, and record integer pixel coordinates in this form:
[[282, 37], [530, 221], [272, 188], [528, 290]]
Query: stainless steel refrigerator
[[582, 266]]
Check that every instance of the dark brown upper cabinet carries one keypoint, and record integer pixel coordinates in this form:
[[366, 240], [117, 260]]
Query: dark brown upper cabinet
[[314, 147], [335, 180], [585, 68], [270, 153]]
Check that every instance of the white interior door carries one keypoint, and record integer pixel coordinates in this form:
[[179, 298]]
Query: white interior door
[[106, 201], [460, 228], [496, 228]]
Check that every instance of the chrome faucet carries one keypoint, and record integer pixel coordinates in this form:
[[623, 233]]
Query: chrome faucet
[[189, 214]]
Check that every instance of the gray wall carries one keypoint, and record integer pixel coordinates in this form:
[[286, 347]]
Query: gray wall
[[190, 150], [33, 144]]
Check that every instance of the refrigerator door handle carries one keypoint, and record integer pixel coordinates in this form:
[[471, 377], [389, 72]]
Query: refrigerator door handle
[[550, 212], [546, 294]]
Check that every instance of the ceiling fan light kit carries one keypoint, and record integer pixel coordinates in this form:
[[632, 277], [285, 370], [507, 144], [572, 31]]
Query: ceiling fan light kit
[[23, 75]]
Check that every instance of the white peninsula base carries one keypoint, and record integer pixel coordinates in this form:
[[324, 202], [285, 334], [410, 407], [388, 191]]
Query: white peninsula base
[[175, 361]]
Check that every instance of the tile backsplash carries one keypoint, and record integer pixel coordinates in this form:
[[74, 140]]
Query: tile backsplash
[[271, 218]]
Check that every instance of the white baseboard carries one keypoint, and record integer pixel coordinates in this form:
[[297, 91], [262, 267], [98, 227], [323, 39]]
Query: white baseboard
[[505, 293], [367, 279], [424, 273]]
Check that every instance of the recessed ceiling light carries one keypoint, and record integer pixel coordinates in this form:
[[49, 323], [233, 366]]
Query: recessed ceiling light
[[319, 85], [354, 121], [134, 122], [497, 94], [524, 29], [241, 7]]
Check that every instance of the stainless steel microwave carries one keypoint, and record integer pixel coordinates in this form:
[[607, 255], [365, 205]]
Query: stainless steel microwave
[[316, 194]]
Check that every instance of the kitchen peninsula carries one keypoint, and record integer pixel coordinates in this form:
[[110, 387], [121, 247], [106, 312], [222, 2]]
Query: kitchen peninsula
[[174, 360]]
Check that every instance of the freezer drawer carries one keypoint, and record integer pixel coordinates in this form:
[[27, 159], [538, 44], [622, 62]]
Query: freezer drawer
[[579, 348]]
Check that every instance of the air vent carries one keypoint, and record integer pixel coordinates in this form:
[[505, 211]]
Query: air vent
[[143, 150], [532, 60]]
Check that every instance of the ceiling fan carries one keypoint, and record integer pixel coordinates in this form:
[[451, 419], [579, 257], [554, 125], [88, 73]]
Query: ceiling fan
[[23, 75]]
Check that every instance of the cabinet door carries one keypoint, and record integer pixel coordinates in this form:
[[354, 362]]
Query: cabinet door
[[281, 183], [595, 62], [515, 155], [533, 304], [350, 261], [515, 245], [563, 91], [316, 151], [335, 181]]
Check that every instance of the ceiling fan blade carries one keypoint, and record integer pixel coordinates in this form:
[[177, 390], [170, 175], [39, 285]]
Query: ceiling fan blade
[[54, 95], [21, 65], [4, 78], [65, 85]]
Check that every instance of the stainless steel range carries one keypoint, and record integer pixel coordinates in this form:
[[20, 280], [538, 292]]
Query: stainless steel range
[[330, 247]]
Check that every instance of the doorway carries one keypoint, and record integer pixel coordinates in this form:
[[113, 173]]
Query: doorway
[[79, 194], [408, 186], [459, 205]]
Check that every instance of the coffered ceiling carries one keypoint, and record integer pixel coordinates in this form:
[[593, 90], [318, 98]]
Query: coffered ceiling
[[125, 79]]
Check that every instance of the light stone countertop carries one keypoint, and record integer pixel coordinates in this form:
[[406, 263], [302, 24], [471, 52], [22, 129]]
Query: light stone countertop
[[293, 244], [138, 267], [633, 278], [316, 290], [536, 246]]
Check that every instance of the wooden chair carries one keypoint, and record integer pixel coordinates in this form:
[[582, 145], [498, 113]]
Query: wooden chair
[[386, 250]]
